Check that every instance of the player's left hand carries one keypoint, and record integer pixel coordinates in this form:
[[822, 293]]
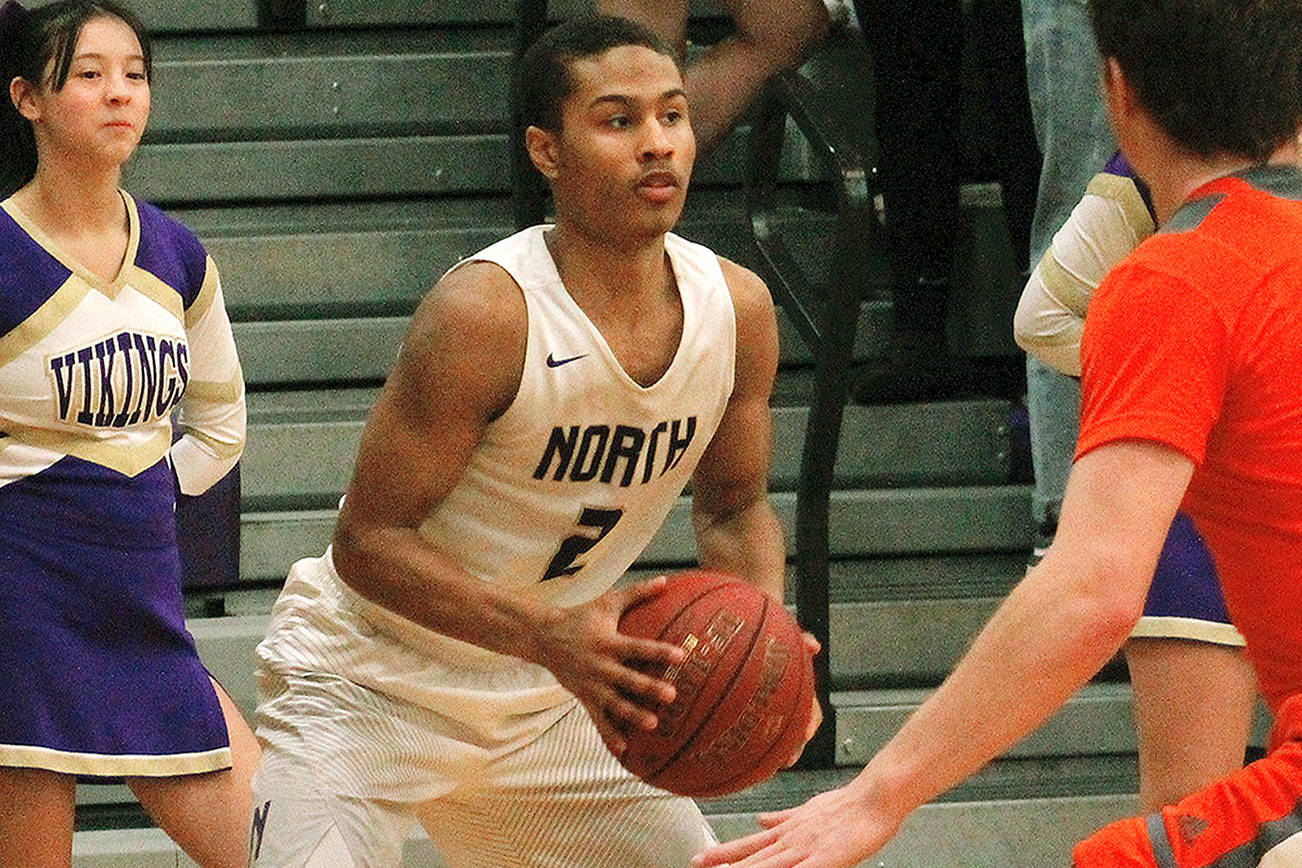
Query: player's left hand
[[813, 646], [836, 829]]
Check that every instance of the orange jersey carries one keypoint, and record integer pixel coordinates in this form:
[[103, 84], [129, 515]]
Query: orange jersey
[[1251, 818], [1195, 341]]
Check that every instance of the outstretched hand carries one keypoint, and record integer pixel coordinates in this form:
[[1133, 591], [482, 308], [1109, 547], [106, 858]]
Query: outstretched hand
[[835, 829], [584, 649]]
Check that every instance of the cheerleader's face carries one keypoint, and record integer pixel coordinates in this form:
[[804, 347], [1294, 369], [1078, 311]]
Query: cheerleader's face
[[100, 112]]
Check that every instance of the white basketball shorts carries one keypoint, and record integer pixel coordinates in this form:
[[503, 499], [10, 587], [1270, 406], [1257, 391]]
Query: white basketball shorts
[[348, 768]]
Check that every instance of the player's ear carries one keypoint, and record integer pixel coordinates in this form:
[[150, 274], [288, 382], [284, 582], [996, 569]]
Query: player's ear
[[1117, 91], [544, 150]]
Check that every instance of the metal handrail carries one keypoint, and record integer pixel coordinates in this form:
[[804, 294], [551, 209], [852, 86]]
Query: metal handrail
[[528, 194], [826, 318]]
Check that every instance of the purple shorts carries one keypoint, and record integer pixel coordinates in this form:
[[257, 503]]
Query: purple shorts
[[1185, 601]]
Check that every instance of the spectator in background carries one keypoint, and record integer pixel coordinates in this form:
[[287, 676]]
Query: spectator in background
[[917, 51], [769, 36], [1062, 70]]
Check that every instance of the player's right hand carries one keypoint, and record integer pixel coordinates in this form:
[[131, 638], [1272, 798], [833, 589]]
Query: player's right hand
[[835, 829], [605, 669]]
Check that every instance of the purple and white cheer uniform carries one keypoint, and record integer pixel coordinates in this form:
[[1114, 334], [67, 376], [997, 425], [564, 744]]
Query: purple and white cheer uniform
[[98, 675]]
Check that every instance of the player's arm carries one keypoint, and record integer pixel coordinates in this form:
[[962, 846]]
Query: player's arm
[[736, 528], [459, 368], [1056, 629]]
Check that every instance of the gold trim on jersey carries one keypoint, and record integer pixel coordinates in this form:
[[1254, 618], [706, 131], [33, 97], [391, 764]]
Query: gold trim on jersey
[[1122, 190], [157, 291], [203, 301], [127, 460], [109, 288], [115, 765], [220, 448], [1070, 291], [43, 320], [1175, 627], [216, 393]]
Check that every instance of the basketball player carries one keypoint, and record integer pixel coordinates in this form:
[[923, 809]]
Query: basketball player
[[111, 319], [769, 36], [1185, 642], [1192, 400], [453, 657]]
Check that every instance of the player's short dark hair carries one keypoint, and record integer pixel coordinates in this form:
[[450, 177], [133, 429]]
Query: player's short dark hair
[[29, 42], [1220, 77], [543, 80]]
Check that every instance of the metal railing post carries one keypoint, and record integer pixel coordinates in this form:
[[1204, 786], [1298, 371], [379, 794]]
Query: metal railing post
[[827, 320], [529, 196]]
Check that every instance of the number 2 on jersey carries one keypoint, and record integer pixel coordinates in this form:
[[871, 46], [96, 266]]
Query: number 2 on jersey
[[599, 522]]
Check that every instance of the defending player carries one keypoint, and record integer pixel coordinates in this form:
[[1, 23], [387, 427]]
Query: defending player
[[1192, 399], [111, 319], [453, 657]]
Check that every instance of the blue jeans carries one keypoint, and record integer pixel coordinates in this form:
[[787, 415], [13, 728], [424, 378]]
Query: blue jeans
[[1053, 405], [1071, 126]]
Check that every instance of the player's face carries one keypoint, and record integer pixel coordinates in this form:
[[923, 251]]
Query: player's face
[[626, 148], [101, 110]]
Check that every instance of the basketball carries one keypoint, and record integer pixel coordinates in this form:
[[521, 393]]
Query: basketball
[[744, 692]]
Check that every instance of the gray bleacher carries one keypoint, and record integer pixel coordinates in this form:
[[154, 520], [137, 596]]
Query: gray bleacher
[[336, 155]]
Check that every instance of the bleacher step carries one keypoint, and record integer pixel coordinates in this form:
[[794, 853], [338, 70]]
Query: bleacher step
[[903, 641], [276, 353], [894, 621], [958, 443], [862, 523], [352, 166], [1097, 720]]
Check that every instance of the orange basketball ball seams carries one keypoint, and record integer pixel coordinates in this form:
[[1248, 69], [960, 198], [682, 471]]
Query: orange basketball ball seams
[[744, 692]]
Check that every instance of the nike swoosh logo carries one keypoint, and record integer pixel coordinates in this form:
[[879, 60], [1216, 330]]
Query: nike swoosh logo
[[553, 362]]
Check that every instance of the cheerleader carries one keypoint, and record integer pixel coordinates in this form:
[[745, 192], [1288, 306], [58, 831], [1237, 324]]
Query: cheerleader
[[111, 321]]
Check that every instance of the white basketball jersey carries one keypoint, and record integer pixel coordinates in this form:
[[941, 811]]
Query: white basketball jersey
[[572, 481]]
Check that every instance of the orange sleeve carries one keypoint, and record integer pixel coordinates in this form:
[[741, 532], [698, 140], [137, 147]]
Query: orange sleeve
[[1153, 362]]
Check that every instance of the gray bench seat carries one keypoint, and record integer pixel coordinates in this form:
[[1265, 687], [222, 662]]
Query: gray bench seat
[[879, 447], [863, 523]]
